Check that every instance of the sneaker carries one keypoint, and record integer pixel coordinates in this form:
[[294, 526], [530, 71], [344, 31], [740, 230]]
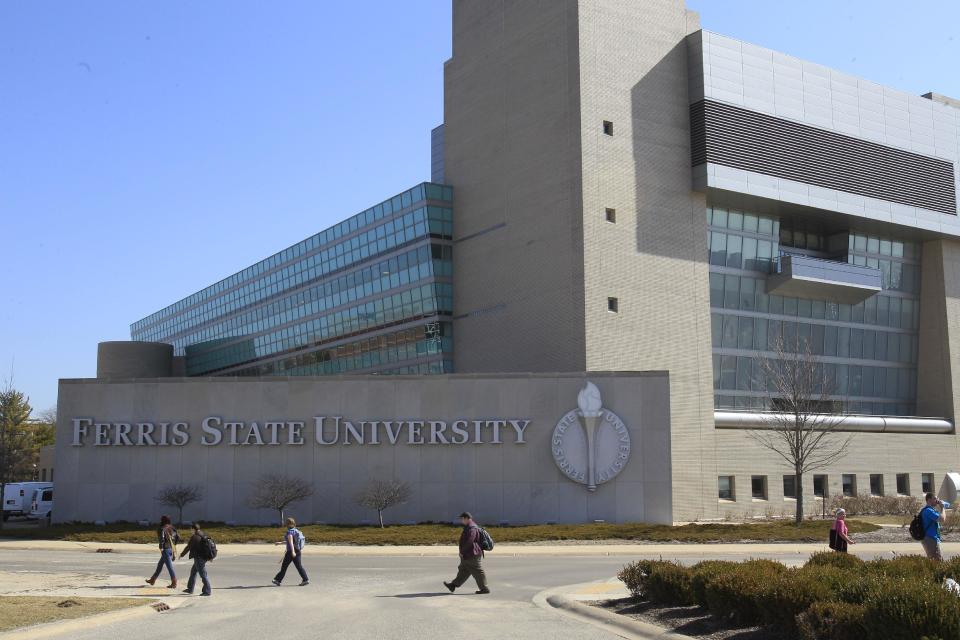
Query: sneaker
[[449, 585], [304, 583], [188, 591], [276, 582], [482, 591]]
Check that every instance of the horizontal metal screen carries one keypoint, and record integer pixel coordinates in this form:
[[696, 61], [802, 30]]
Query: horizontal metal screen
[[735, 137]]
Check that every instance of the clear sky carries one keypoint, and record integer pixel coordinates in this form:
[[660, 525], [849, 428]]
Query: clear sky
[[150, 149]]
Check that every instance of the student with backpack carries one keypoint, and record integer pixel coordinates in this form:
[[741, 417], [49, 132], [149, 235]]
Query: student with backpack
[[473, 541], [930, 520], [839, 536], [168, 539], [201, 550], [294, 541]]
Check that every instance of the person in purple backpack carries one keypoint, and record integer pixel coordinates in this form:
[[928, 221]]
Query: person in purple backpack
[[471, 557]]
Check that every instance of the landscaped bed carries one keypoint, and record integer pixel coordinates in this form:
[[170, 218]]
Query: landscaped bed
[[23, 611], [434, 534], [833, 597]]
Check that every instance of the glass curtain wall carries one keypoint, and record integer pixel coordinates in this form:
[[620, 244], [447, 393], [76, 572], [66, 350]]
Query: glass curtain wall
[[869, 350]]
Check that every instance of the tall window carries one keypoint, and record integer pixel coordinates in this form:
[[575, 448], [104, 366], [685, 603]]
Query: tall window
[[876, 484], [849, 484], [758, 487], [789, 487], [903, 484], [820, 486], [725, 485], [926, 482]]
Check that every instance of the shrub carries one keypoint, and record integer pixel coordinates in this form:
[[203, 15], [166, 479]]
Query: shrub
[[702, 573], [740, 594], [947, 569], [910, 608], [877, 505], [912, 566], [832, 621], [834, 559], [634, 576], [860, 588], [669, 583], [792, 592]]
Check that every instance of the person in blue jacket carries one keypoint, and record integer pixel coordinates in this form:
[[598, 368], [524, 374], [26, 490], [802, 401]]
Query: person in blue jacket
[[932, 516]]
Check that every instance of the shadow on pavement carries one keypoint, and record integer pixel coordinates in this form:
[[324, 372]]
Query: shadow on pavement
[[417, 595], [252, 586]]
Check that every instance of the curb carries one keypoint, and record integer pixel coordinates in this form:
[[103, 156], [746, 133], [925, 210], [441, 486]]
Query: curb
[[554, 599], [61, 627]]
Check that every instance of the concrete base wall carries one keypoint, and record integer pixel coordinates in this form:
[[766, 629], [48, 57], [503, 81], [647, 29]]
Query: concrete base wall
[[518, 483]]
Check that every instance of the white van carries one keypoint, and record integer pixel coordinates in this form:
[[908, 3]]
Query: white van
[[41, 506], [18, 496]]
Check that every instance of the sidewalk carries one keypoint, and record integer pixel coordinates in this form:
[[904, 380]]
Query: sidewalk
[[637, 550]]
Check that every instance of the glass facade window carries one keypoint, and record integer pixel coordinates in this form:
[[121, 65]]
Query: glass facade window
[[726, 488], [876, 484], [386, 272], [868, 351], [849, 483], [820, 486], [903, 484], [790, 486]]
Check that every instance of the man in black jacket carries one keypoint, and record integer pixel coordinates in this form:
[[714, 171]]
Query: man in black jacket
[[197, 548], [471, 557]]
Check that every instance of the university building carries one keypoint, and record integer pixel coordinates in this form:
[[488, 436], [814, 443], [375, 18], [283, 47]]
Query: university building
[[626, 214]]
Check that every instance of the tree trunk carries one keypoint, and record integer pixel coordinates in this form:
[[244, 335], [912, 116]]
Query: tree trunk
[[180, 515], [380, 515], [3, 502], [281, 516], [799, 481]]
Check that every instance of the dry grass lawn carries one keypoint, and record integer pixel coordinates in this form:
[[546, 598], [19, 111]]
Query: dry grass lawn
[[23, 611], [444, 534]]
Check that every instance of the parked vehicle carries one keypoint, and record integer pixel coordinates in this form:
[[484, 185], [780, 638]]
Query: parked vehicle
[[18, 496], [41, 507]]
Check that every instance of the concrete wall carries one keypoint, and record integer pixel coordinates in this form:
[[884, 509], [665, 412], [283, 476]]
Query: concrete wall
[[519, 483], [133, 359], [653, 258], [938, 383], [512, 154]]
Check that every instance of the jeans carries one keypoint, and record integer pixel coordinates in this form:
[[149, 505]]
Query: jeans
[[166, 560], [287, 559], [471, 567], [199, 568], [932, 548]]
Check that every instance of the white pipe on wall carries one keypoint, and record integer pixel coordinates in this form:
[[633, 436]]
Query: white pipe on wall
[[864, 424]]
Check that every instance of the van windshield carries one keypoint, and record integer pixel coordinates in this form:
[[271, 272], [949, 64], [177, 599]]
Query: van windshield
[[47, 496]]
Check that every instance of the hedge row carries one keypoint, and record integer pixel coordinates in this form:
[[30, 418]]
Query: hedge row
[[877, 505], [833, 597]]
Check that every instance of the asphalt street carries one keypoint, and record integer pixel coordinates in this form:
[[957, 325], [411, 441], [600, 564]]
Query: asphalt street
[[348, 597], [355, 596]]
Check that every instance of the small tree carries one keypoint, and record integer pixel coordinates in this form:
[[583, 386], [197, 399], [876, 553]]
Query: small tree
[[179, 496], [806, 416], [383, 494], [278, 492], [16, 438]]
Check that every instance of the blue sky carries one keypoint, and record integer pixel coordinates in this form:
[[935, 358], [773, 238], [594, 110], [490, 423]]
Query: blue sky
[[147, 151]]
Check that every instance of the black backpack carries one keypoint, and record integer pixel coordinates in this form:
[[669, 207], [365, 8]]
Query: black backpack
[[916, 528], [486, 540], [208, 548]]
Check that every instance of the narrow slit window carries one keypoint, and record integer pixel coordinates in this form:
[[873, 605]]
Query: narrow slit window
[[607, 128], [613, 305], [611, 215]]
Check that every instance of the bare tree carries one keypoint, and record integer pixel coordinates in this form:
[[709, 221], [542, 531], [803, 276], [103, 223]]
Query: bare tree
[[803, 427], [383, 494], [278, 492], [179, 496]]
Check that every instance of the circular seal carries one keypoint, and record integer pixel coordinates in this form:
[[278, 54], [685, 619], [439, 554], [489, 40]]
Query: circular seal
[[571, 450]]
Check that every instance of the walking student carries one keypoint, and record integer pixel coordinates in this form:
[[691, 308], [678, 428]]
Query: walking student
[[197, 548], [932, 516], [167, 537], [471, 557], [294, 542], [839, 538]]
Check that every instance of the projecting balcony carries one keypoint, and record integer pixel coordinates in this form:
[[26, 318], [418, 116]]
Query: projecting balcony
[[806, 277]]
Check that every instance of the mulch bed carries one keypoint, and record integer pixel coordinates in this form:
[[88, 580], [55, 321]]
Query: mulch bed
[[691, 621]]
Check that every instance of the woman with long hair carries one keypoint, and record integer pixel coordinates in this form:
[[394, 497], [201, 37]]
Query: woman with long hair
[[167, 538]]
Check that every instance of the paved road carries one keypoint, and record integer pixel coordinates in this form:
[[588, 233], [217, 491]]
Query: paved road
[[348, 597], [358, 596]]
